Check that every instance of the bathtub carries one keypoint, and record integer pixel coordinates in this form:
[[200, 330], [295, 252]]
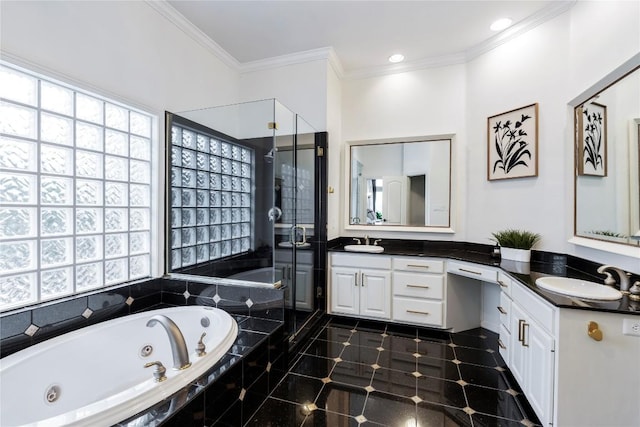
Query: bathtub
[[262, 275], [95, 376]]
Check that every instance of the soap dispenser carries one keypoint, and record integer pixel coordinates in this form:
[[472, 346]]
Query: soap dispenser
[[495, 253]]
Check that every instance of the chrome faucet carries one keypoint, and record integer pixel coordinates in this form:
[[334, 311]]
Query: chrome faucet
[[366, 239], [624, 276], [176, 339]]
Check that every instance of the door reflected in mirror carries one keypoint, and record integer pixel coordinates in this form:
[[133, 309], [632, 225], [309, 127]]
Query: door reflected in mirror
[[401, 184]]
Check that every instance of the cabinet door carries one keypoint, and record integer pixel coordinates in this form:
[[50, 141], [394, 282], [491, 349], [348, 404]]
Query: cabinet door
[[375, 293], [539, 371], [532, 362], [304, 287], [517, 352], [345, 290]]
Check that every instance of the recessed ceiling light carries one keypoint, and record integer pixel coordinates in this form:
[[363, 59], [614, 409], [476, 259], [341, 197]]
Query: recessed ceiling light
[[398, 57], [501, 24]]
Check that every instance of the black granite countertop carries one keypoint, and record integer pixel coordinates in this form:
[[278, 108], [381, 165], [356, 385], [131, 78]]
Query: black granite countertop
[[542, 264]]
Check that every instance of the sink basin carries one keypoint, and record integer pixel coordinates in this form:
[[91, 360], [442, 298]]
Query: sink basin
[[578, 288], [372, 249]]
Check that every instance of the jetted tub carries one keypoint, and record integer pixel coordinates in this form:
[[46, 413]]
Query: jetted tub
[[95, 376]]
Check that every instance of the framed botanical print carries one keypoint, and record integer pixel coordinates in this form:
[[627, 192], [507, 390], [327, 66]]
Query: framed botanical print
[[512, 144], [592, 139]]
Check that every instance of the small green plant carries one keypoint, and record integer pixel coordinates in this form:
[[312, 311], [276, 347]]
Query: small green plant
[[517, 239], [608, 233]]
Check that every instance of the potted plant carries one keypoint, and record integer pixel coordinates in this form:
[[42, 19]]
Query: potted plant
[[516, 244]]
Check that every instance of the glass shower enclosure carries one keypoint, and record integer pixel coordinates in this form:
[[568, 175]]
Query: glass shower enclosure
[[242, 201]]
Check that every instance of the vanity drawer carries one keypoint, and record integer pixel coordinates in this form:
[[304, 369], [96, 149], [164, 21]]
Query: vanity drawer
[[474, 271], [418, 285], [505, 310], [418, 311], [418, 265], [505, 282]]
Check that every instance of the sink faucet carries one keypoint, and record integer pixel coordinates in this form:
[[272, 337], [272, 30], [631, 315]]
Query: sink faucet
[[366, 239], [624, 276], [176, 339]]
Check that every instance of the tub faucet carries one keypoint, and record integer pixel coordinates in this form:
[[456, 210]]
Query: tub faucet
[[176, 339], [624, 276], [366, 239]]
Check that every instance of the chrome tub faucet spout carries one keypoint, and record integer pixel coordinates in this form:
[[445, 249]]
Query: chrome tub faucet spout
[[176, 339]]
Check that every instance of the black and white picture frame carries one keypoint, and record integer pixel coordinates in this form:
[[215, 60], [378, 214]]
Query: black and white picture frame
[[512, 144], [592, 139]]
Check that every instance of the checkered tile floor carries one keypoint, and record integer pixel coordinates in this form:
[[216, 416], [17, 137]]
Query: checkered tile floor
[[361, 373]]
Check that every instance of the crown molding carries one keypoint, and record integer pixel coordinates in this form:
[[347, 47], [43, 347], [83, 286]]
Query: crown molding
[[383, 70], [172, 15], [554, 9], [320, 54]]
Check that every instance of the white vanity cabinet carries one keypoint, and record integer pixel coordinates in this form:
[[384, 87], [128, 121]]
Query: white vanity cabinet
[[531, 348], [418, 291], [361, 285]]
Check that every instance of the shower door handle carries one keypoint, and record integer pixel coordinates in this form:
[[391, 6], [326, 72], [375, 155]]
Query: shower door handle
[[294, 239]]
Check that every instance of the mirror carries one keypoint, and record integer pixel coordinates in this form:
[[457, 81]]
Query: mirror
[[400, 183], [607, 149]]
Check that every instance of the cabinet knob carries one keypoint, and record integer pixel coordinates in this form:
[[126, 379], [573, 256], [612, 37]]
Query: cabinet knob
[[594, 332]]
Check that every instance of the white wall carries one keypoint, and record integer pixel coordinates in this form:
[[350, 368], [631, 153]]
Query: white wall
[[530, 69], [302, 88], [416, 103], [124, 50], [134, 54], [549, 65]]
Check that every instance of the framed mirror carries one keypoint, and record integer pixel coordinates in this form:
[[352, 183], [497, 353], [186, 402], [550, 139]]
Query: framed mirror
[[607, 152], [400, 184]]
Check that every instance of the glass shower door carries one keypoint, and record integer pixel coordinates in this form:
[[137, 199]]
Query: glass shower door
[[295, 230]]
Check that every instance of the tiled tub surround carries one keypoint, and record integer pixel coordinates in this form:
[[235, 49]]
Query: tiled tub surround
[[364, 373], [238, 380], [100, 376]]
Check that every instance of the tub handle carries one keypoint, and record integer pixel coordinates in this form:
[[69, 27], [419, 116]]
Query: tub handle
[[159, 372], [200, 347]]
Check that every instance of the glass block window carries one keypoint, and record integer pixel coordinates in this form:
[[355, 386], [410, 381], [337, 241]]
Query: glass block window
[[211, 202], [75, 190]]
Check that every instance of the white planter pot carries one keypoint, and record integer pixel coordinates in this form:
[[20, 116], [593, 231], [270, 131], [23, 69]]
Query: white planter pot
[[521, 255]]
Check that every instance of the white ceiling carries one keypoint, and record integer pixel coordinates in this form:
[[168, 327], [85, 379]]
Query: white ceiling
[[362, 33]]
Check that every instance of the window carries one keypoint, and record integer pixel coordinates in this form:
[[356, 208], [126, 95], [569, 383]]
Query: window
[[211, 201], [75, 190]]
